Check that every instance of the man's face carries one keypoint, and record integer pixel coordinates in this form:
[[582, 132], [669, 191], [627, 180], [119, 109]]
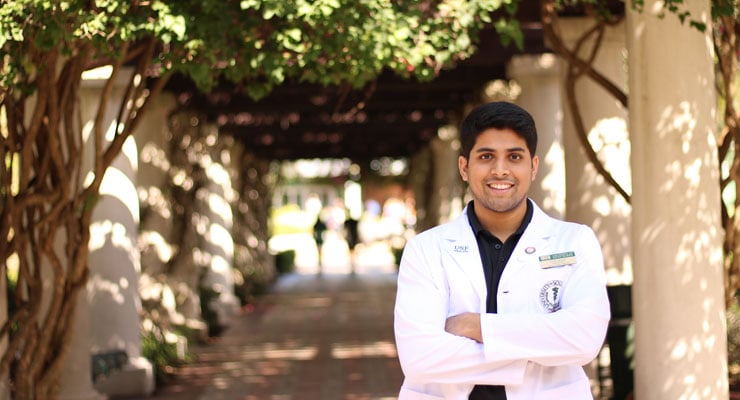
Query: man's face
[[499, 171]]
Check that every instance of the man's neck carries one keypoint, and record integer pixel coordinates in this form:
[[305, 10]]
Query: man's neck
[[501, 224]]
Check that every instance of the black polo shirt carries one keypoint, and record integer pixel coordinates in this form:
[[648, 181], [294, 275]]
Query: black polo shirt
[[494, 255]]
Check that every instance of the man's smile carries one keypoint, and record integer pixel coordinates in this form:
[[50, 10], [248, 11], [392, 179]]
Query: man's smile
[[500, 185]]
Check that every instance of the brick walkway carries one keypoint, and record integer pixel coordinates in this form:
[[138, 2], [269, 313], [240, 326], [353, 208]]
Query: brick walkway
[[327, 336]]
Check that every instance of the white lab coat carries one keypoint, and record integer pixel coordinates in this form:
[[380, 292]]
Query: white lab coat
[[550, 320]]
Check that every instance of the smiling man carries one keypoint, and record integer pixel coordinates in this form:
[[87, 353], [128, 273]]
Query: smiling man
[[503, 302]]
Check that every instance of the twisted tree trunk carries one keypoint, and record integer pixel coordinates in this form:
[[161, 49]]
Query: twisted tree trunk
[[47, 201], [727, 48]]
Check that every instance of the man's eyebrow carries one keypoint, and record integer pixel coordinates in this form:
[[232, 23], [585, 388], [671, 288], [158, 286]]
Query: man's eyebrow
[[492, 150]]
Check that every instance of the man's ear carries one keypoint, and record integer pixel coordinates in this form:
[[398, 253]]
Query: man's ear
[[535, 166], [462, 165]]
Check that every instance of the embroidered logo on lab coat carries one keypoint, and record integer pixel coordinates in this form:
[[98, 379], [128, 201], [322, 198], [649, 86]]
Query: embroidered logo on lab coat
[[460, 248], [550, 295]]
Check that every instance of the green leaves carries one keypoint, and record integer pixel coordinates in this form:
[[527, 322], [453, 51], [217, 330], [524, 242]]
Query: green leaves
[[510, 31], [166, 25], [720, 8], [260, 43]]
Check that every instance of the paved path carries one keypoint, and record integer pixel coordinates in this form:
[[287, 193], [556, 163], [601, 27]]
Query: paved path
[[315, 336]]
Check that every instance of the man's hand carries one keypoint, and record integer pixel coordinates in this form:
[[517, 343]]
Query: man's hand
[[466, 325]]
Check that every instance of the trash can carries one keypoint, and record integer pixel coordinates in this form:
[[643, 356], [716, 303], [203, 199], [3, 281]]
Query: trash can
[[619, 339]]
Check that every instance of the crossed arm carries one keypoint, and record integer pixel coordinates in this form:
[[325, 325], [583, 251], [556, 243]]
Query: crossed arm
[[466, 325]]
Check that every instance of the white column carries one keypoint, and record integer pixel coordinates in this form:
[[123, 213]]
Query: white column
[[449, 188], [214, 226], [76, 382], [114, 323], [590, 199], [680, 332], [538, 77], [115, 266]]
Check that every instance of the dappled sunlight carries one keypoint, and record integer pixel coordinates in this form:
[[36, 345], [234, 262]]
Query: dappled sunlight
[[155, 201], [681, 120], [158, 244], [592, 200], [552, 182], [216, 173], [219, 206], [610, 139], [116, 184], [276, 351], [679, 303], [107, 231], [602, 206], [220, 237], [113, 289], [154, 156], [362, 350], [327, 337], [220, 265]]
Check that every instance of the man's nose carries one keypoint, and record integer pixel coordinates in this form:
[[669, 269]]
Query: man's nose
[[500, 168]]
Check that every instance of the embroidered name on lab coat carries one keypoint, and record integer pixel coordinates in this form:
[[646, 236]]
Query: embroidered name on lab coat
[[460, 248], [558, 260], [550, 295]]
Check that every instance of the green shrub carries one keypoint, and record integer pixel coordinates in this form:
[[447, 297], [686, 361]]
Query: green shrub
[[285, 261], [209, 315], [162, 354]]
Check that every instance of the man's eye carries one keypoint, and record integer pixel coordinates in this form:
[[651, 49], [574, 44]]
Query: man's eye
[[516, 156], [485, 157]]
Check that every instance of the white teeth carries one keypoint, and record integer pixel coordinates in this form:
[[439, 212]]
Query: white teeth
[[500, 185]]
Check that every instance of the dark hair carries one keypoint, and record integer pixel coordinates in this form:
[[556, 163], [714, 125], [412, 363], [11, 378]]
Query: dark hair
[[499, 115]]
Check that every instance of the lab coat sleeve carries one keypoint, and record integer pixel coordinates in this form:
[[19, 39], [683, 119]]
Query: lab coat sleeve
[[426, 352], [572, 335]]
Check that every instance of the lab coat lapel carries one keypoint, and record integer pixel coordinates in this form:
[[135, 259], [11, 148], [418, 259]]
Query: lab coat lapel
[[462, 249]]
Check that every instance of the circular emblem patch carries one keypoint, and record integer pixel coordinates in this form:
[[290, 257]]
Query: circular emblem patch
[[550, 296]]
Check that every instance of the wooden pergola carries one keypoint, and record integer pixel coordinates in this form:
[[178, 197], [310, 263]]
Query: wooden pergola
[[390, 117]]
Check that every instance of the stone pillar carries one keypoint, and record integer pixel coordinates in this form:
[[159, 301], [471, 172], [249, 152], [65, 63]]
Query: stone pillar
[[590, 199], [215, 225], [114, 263], [538, 78], [435, 180], [419, 178], [449, 186], [680, 332], [76, 382], [114, 279]]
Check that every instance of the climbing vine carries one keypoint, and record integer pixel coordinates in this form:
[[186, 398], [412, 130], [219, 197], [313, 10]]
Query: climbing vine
[[725, 32]]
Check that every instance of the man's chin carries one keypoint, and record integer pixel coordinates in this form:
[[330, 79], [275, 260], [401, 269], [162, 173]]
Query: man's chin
[[502, 207]]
